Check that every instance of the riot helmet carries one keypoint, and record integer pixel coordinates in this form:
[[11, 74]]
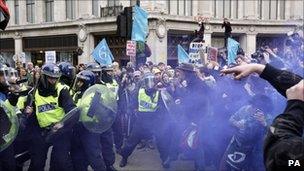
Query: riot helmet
[[68, 72], [107, 74], [84, 80], [96, 69], [50, 74], [149, 81]]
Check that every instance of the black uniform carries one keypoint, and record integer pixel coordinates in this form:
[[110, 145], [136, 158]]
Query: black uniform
[[284, 139]]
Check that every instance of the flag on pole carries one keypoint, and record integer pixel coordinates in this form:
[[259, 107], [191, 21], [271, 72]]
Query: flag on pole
[[232, 47], [140, 24], [102, 53], [183, 57], [4, 15]]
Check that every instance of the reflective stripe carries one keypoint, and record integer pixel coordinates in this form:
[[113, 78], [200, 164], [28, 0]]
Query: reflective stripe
[[47, 109], [145, 103]]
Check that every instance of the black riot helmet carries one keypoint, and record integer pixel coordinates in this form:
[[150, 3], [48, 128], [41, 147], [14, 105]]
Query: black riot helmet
[[68, 72], [84, 80], [96, 69], [107, 74], [50, 74]]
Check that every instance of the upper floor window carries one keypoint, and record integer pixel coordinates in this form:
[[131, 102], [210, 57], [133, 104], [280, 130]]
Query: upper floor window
[[30, 11], [16, 6], [180, 7], [95, 7], [70, 9], [112, 3], [49, 10]]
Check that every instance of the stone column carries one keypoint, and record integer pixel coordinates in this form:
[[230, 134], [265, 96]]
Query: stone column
[[287, 9], [248, 43], [22, 13], [40, 11], [60, 10], [205, 8], [18, 43], [207, 38], [84, 8], [157, 44], [250, 9], [87, 47]]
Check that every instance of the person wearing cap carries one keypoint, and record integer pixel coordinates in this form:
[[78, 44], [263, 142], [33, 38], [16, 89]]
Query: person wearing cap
[[51, 102]]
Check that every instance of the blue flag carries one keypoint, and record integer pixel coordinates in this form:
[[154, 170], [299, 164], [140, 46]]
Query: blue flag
[[102, 53], [140, 24], [183, 57], [232, 47]]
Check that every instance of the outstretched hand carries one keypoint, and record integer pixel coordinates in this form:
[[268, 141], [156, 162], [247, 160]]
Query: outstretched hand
[[244, 70]]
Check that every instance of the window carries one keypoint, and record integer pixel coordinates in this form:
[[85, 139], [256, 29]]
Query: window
[[282, 9], [180, 7], [49, 10], [16, 6], [30, 11], [112, 3], [260, 9], [95, 7], [70, 9]]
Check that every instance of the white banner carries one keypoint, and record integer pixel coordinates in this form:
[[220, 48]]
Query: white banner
[[50, 57]]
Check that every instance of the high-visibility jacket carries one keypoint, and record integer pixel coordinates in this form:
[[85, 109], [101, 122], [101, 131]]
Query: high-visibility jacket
[[146, 103], [22, 99], [47, 108], [11, 112]]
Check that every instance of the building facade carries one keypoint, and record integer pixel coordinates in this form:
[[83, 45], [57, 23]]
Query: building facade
[[65, 26]]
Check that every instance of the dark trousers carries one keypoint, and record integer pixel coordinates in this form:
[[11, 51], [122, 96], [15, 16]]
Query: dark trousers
[[86, 150], [60, 155], [106, 140], [143, 126], [117, 128], [7, 159]]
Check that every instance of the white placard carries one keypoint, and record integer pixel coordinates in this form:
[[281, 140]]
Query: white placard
[[131, 48], [50, 57]]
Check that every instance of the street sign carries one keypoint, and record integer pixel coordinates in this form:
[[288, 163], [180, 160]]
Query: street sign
[[131, 48], [50, 57]]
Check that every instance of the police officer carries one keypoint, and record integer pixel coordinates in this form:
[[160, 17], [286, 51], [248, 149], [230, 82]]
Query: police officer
[[96, 69], [86, 143], [8, 122], [52, 101], [150, 116], [68, 72], [106, 138]]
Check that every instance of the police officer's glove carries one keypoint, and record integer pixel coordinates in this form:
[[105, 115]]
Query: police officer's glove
[[12, 98]]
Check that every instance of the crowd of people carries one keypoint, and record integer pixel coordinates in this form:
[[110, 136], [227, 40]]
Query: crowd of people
[[188, 112]]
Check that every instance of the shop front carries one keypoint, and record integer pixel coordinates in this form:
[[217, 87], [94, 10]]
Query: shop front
[[65, 47], [7, 51]]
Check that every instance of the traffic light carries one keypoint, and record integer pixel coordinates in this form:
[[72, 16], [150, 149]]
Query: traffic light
[[124, 23]]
